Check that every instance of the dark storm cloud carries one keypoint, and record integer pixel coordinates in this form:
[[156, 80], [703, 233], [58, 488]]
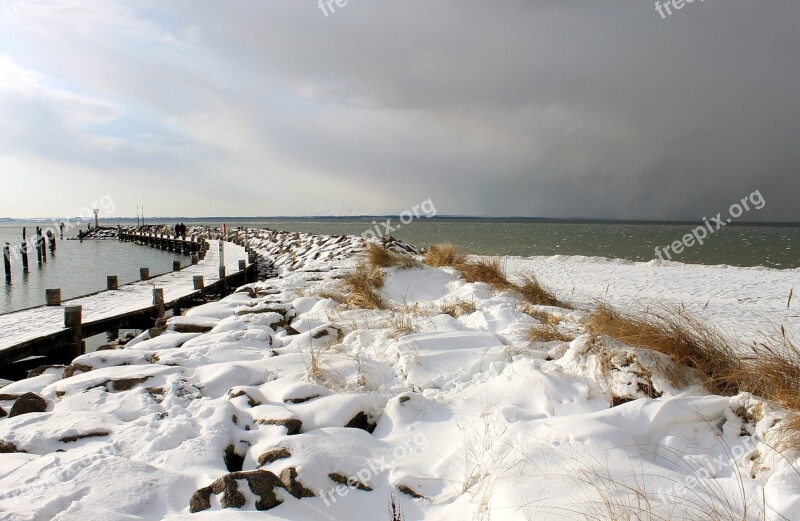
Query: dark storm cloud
[[560, 109]]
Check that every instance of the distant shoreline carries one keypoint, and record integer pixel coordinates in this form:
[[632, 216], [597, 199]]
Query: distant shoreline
[[439, 218]]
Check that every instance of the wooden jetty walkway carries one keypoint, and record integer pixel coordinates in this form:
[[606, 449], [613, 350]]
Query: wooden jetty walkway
[[48, 329], [186, 245]]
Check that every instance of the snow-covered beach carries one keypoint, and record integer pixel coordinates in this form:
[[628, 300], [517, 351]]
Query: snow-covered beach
[[287, 404]]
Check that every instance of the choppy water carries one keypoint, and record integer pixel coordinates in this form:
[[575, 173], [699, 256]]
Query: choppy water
[[82, 268]]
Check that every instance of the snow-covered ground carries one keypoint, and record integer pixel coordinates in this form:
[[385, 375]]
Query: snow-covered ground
[[750, 303], [458, 417]]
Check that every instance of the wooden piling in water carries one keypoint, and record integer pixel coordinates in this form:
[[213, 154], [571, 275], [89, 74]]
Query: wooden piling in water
[[112, 283], [53, 297], [38, 240], [24, 249], [73, 320], [7, 260]]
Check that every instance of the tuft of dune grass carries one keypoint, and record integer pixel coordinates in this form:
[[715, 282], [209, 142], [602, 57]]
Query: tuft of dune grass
[[790, 427], [770, 371], [490, 271], [546, 332], [688, 342], [536, 294], [379, 256], [773, 371], [363, 287], [458, 308], [441, 255]]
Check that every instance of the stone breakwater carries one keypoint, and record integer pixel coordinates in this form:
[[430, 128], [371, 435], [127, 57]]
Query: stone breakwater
[[278, 252]]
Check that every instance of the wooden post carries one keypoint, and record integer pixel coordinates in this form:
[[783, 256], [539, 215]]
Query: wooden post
[[24, 249], [176, 265], [195, 260], [242, 265], [158, 300], [7, 260], [38, 246], [112, 282], [251, 258], [53, 297], [144, 273], [52, 238], [73, 320], [198, 282], [222, 253], [222, 273]]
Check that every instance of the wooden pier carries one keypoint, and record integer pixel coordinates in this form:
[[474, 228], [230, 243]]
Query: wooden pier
[[59, 330], [185, 245]]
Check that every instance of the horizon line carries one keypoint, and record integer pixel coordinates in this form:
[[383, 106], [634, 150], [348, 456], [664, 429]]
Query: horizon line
[[384, 216]]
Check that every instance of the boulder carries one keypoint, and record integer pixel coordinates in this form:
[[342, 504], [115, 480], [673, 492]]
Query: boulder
[[294, 487], [292, 425], [272, 456], [28, 403], [260, 482]]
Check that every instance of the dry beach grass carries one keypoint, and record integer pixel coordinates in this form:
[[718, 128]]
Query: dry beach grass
[[770, 371]]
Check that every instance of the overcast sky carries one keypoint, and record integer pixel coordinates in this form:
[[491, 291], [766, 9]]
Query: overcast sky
[[500, 108]]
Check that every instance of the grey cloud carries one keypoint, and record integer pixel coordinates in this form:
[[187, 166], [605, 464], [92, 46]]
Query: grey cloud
[[559, 109]]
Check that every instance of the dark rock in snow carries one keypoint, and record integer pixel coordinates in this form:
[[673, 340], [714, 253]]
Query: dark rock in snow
[[294, 487], [361, 421], [233, 462], [292, 425], [350, 482], [8, 448], [272, 456], [39, 371], [260, 482], [76, 437], [407, 491], [252, 402], [28, 403]]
